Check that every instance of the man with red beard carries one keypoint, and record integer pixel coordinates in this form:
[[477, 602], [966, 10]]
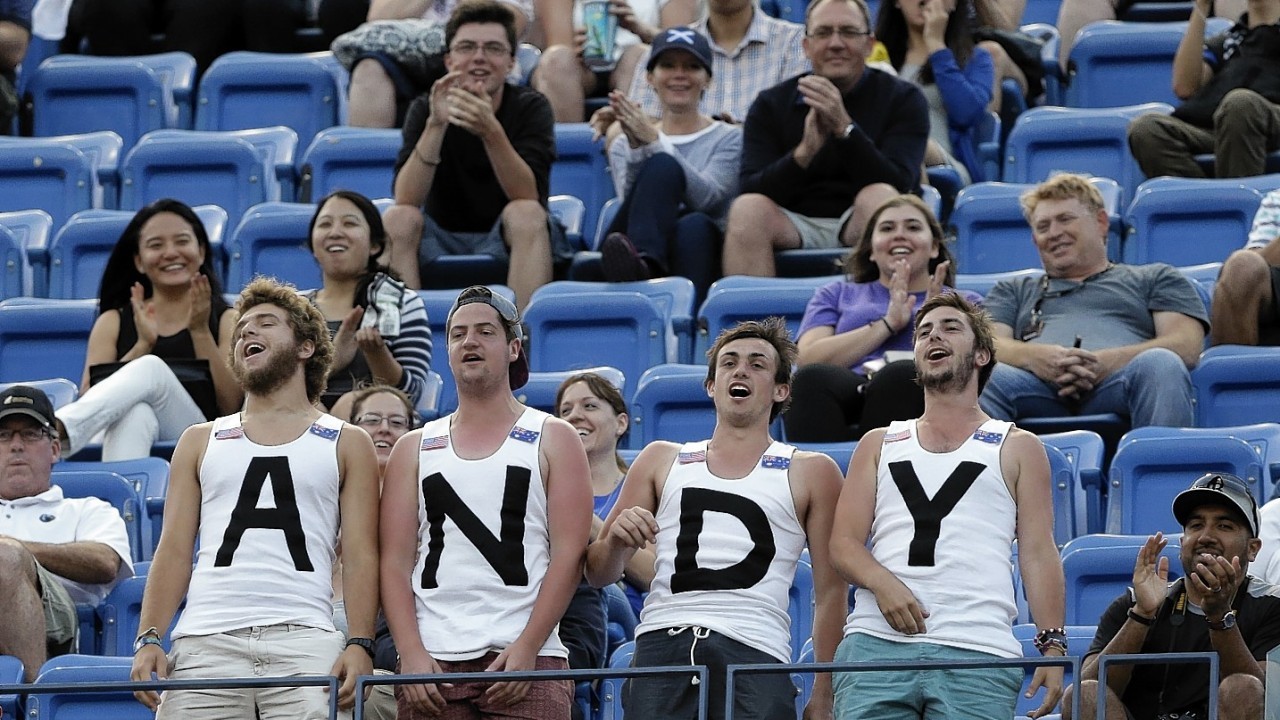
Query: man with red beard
[[925, 528], [265, 491]]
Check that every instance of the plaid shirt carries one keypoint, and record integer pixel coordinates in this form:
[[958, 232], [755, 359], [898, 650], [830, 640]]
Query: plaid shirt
[[770, 52]]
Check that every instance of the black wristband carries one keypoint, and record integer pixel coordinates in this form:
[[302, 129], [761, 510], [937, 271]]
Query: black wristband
[[1140, 619], [365, 643], [885, 320]]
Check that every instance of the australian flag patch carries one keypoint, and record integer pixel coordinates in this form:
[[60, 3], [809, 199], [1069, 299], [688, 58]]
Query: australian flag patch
[[438, 442], [524, 434], [775, 462], [324, 432], [988, 437], [229, 433]]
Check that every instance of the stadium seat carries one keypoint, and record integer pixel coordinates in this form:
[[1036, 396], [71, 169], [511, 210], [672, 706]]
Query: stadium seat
[[1183, 221], [992, 235], [1047, 140], [1236, 385], [1084, 450], [982, 283], [349, 158], [1098, 568], [79, 252], [243, 90], [15, 274], [626, 330], [581, 170], [1069, 502], [120, 612], [273, 239], [234, 170], [611, 688], [49, 175], [60, 390], [674, 294], [12, 672], [1146, 474], [1041, 11], [527, 58], [620, 619], [671, 403], [112, 488], [437, 303], [800, 606], [150, 479], [540, 391], [1123, 63], [92, 705], [841, 452], [740, 297], [45, 340], [1264, 438], [177, 71], [103, 150], [31, 230]]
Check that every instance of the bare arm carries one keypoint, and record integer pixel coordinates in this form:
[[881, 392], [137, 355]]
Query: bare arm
[[513, 173], [413, 182], [1190, 71], [821, 478], [1177, 332], [13, 44], [358, 504], [1001, 14], [1150, 576], [83, 562], [630, 525], [555, 17], [397, 9]]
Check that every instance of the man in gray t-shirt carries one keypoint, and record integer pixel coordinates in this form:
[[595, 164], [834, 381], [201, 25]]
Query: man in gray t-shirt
[[1091, 336]]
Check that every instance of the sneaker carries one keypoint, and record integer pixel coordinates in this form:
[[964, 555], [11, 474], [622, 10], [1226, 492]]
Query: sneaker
[[620, 261]]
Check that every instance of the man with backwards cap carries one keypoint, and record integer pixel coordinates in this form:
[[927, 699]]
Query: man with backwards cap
[[1216, 607], [54, 551], [485, 519]]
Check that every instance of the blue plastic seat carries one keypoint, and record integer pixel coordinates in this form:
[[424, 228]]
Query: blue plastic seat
[[1099, 568], [671, 403], [1237, 385], [626, 330], [12, 672], [1185, 221], [273, 239], [620, 618], [114, 489], [437, 304], [15, 273], [80, 249], [48, 175], [611, 688], [60, 390], [349, 158], [177, 71], [1084, 451], [993, 236], [32, 230], [540, 391], [1123, 63], [581, 170], [740, 297], [198, 167], [675, 295], [103, 148], [45, 340], [73, 94], [1264, 438], [1146, 474], [117, 705], [150, 479], [1069, 502], [841, 452], [120, 612], [800, 606], [1047, 140], [243, 90]]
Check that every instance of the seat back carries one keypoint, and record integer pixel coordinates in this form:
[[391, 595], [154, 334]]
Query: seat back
[[1101, 570], [611, 688], [1084, 451], [45, 340], [150, 479], [736, 298], [117, 705], [1147, 474], [674, 295], [273, 239], [349, 158], [112, 488], [243, 90], [1236, 385], [1264, 438], [1068, 497], [1122, 63], [59, 390], [12, 672], [581, 170], [671, 403], [52, 176], [1184, 221], [540, 391], [72, 94]]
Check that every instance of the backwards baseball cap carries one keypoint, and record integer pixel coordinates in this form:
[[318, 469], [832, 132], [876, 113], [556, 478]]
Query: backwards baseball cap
[[681, 38], [29, 401], [518, 370], [1218, 489]]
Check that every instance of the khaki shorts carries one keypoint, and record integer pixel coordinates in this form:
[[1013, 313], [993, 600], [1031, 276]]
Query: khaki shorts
[[60, 618], [819, 232]]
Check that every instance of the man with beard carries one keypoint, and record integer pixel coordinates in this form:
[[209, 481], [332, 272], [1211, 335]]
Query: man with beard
[[266, 492], [925, 529], [728, 518], [1091, 336], [1217, 606]]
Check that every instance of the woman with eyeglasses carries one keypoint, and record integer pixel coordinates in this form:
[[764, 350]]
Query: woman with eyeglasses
[[157, 356], [931, 45], [379, 326], [847, 384]]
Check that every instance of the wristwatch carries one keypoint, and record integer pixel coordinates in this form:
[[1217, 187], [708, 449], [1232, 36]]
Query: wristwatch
[[150, 636], [1227, 622], [365, 643]]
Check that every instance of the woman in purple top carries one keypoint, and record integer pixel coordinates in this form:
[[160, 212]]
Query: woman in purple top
[[845, 384]]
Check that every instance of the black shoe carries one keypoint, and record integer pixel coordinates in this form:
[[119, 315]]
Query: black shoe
[[620, 261]]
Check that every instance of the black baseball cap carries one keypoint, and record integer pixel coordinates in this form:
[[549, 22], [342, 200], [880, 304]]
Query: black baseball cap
[[518, 370], [1218, 489], [29, 401]]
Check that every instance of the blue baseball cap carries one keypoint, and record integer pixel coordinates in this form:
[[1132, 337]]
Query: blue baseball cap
[[681, 38]]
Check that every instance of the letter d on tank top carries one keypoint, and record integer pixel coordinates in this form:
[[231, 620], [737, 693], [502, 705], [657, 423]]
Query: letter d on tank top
[[695, 503]]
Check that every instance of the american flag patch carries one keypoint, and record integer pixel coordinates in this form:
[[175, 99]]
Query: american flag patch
[[697, 456], [988, 437], [898, 436], [438, 442], [229, 433], [324, 432], [524, 434], [775, 462]]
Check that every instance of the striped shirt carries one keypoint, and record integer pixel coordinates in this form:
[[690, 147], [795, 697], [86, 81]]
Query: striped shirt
[[769, 53], [1266, 224]]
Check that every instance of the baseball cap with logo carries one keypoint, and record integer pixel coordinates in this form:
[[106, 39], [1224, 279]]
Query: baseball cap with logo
[[1218, 489], [29, 401], [518, 370], [681, 38]]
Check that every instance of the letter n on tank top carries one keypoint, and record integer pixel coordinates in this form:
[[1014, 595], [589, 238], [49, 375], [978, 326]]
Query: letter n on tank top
[[504, 553]]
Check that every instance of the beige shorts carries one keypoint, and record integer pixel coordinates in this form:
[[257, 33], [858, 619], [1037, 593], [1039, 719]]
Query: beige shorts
[[60, 618], [819, 232]]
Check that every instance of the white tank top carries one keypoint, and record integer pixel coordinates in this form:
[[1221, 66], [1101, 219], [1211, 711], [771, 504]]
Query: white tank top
[[727, 551], [268, 528], [956, 557], [483, 544]]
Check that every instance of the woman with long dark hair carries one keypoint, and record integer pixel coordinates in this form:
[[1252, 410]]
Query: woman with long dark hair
[[379, 326], [163, 333]]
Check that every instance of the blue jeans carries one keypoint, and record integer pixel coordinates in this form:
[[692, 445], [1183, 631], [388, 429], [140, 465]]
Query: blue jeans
[[661, 228], [1153, 389], [973, 694]]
